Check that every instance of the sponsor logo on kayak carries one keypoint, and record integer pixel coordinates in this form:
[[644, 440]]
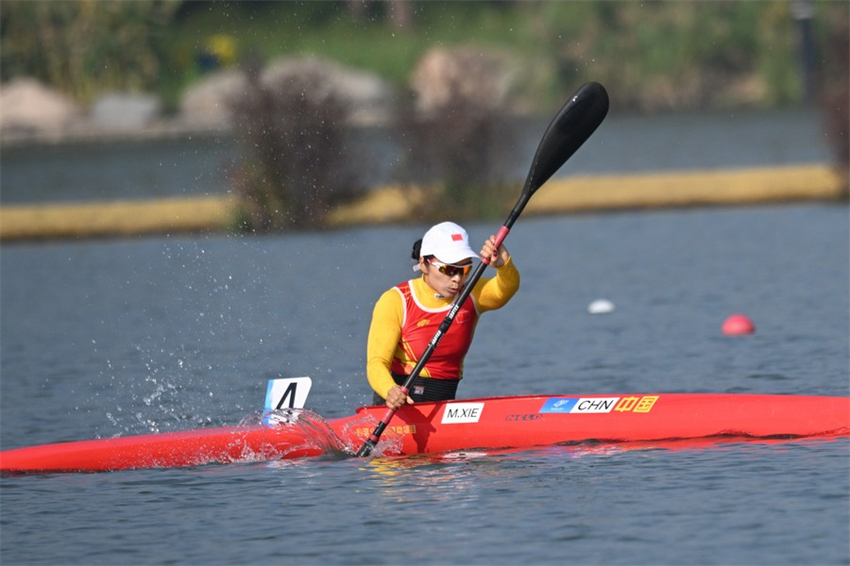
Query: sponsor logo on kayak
[[397, 429], [456, 413], [558, 405], [519, 418], [575, 405]]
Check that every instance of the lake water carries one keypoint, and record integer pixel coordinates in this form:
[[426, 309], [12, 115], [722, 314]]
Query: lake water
[[623, 144], [107, 338]]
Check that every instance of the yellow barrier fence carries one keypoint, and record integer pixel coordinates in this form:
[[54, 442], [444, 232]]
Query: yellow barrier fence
[[393, 204]]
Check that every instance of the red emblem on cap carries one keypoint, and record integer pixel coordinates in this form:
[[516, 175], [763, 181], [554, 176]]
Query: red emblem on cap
[[457, 237]]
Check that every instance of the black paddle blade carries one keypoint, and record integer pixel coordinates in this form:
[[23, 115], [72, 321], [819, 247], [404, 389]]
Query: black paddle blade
[[570, 128]]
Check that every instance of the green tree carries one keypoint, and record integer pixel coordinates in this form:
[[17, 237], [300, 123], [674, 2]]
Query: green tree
[[85, 46]]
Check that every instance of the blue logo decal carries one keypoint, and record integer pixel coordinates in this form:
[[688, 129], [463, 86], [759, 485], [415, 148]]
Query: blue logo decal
[[559, 405]]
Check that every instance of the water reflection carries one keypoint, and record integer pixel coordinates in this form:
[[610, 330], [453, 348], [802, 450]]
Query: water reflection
[[430, 478], [460, 478]]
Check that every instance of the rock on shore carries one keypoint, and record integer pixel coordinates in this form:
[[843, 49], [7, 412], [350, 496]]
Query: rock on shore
[[35, 113], [30, 108]]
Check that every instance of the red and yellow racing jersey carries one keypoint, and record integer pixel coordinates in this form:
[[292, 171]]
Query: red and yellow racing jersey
[[407, 316]]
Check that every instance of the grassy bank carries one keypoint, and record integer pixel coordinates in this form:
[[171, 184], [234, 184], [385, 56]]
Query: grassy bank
[[392, 204], [658, 55]]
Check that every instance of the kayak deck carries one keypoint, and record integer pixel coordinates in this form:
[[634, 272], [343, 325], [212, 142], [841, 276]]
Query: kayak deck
[[509, 422], [427, 428]]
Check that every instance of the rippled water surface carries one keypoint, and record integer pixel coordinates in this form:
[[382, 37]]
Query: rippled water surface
[[101, 339]]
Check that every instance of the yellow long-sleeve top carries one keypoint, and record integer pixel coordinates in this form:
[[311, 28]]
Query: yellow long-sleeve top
[[387, 345]]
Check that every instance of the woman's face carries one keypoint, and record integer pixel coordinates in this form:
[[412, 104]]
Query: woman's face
[[444, 278]]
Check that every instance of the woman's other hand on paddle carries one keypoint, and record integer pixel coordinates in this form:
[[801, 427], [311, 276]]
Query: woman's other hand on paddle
[[497, 257], [396, 398]]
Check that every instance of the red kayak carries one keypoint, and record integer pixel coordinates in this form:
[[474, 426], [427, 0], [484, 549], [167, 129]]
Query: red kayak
[[487, 423]]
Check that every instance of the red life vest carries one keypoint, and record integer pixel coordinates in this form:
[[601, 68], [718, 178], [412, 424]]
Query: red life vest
[[418, 328]]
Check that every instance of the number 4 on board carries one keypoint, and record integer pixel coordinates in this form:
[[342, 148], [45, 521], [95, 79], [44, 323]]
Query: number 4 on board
[[287, 393]]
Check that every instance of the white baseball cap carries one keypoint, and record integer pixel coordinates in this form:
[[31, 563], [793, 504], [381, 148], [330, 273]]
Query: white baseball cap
[[447, 242]]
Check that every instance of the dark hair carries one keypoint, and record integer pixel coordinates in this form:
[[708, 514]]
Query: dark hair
[[417, 247]]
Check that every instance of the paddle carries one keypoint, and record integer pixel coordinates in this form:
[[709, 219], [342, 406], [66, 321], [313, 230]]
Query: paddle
[[570, 128]]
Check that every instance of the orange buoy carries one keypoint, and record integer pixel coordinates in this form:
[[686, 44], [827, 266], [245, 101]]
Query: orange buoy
[[738, 324]]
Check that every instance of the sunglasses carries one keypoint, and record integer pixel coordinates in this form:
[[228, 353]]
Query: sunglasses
[[451, 270]]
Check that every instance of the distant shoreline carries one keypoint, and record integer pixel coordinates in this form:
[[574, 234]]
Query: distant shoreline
[[393, 205]]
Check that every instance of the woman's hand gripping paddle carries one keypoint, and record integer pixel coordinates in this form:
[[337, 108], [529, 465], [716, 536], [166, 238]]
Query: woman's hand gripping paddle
[[570, 128]]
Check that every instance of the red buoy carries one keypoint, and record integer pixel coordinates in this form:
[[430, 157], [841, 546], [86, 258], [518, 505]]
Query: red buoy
[[738, 324]]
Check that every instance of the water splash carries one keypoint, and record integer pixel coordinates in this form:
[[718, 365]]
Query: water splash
[[390, 443], [309, 425]]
